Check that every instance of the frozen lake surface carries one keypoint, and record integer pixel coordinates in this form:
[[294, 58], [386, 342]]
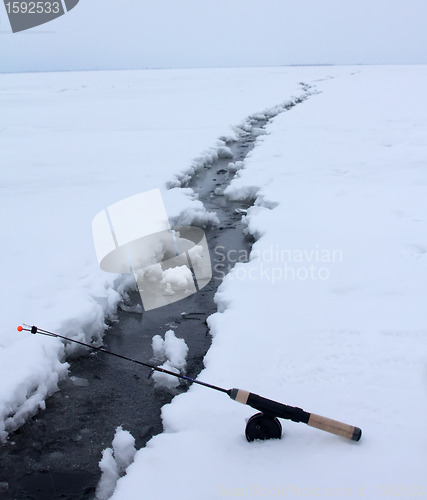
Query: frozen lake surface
[[329, 312]]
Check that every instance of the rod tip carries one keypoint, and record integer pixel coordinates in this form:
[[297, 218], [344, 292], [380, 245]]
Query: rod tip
[[19, 328]]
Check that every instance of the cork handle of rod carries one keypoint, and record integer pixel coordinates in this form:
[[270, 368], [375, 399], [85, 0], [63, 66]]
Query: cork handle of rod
[[334, 427]]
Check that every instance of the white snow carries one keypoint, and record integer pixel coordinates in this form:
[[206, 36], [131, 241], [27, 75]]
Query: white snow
[[329, 315], [124, 449], [114, 462], [75, 143], [158, 346], [174, 352], [256, 131], [34, 362], [234, 167], [109, 476], [165, 380], [225, 152], [178, 278]]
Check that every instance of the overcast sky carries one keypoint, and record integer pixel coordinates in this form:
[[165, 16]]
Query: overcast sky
[[107, 34]]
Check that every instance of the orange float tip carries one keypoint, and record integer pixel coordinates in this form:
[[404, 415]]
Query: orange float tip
[[19, 328]]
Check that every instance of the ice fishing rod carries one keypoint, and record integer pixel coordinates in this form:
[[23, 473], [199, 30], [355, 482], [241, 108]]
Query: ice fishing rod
[[264, 425]]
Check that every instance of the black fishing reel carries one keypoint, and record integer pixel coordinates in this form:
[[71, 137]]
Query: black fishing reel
[[262, 426]]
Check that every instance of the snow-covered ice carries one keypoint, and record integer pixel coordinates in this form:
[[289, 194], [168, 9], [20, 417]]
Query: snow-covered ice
[[328, 315], [75, 143]]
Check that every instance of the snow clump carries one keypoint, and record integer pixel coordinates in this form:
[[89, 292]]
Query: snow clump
[[173, 351], [114, 463]]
